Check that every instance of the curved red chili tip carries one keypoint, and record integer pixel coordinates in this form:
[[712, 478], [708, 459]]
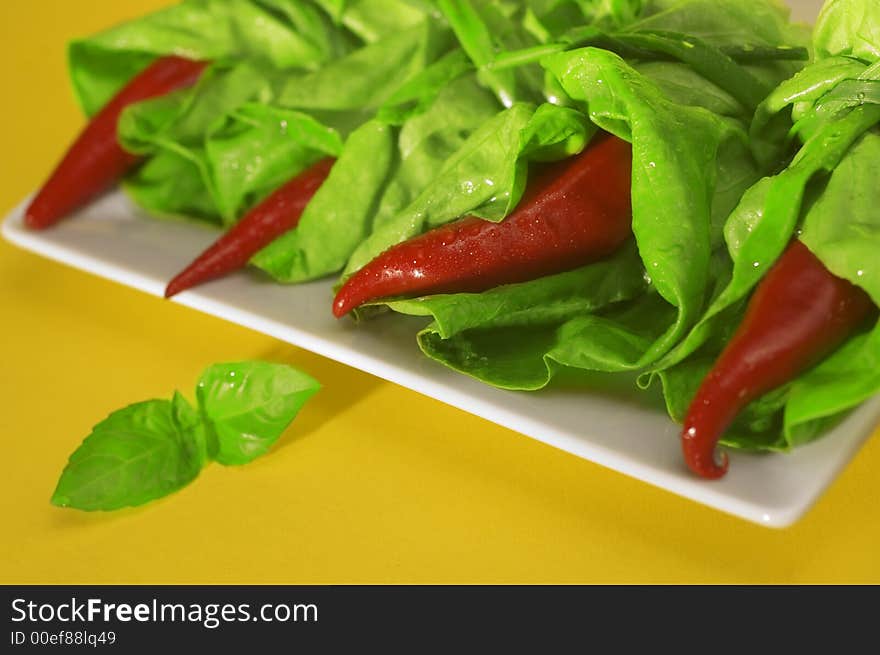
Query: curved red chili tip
[[701, 455]]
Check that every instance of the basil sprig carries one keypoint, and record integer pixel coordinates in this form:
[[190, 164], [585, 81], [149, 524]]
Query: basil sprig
[[153, 448]]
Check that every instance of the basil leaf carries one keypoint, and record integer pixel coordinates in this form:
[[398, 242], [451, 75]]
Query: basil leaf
[[249, 405], [151, 449], [135, 455]]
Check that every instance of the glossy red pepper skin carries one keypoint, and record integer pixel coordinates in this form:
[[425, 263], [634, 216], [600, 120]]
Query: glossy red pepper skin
[[277, 214], [96, 161], [576, 211], [799, 313]]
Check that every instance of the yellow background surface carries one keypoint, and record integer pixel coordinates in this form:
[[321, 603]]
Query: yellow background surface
[[372, 484]]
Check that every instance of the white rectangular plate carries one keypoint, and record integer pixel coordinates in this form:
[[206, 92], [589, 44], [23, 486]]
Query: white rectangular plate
[[111, 239]]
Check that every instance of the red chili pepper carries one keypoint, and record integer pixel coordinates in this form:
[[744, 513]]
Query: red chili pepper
[[96, 161], [263, 224], [799, 313], [577, 211]]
